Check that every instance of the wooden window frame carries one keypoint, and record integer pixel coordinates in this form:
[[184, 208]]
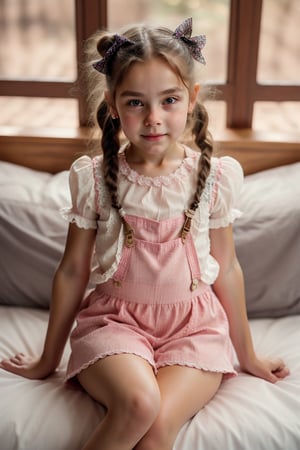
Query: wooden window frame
[[240, 90]]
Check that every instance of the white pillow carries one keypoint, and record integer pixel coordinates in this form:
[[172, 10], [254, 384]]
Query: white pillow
[[267, 240], [32, 237], [32, 233]]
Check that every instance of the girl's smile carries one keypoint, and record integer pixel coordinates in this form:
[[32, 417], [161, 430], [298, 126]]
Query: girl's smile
[[153, 137]]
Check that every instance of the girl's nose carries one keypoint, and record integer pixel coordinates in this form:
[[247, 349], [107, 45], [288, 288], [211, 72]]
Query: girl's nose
[[152, 117]]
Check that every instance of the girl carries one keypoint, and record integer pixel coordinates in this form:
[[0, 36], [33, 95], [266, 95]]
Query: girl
[[152, 219]]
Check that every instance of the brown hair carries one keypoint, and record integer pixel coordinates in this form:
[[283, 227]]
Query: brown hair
[[147, 43]]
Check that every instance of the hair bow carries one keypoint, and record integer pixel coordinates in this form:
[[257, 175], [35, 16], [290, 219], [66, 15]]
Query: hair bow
[[194, 44], [102, 64]]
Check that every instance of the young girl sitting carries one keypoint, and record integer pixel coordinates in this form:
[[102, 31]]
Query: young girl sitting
[[151, 226]]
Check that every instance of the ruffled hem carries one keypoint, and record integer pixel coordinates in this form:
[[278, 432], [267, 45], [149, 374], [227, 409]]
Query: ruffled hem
[[225, 371], [84, 366], [225, 221], [181, 172], [228, 372], [81, 222], [99, 278]]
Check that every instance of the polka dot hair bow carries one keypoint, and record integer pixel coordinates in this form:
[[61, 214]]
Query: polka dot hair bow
[[195, 44]]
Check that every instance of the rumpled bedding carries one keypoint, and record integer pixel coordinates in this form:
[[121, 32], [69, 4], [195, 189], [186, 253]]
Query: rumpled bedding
[[247, 413]]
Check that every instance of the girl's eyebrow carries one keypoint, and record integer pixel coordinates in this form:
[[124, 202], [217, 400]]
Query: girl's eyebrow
[[131, 94], [140, 94]]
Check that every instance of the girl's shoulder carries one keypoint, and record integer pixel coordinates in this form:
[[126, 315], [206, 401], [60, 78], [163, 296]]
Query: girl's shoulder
[[83, 162], [226, 170], [81, 173], [86, 163], [87, 169], [218, 163], [223, 168], [227, 181], [85, 173]]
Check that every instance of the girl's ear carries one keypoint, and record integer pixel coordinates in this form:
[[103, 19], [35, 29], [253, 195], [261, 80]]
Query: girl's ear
[[111, 104], [193, 97]]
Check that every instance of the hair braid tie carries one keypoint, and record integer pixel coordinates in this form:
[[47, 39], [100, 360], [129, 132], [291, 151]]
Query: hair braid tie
[[129, 233], [128, 230], [189, 214]]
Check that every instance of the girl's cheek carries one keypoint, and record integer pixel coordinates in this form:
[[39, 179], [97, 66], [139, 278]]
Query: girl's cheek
[[129, 121], [179, 120]]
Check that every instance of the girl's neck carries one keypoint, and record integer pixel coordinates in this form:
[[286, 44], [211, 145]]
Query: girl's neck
[[155, 165]]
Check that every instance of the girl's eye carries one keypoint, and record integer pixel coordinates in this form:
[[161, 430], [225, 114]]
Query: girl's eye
[[135, 102], [170, 100]]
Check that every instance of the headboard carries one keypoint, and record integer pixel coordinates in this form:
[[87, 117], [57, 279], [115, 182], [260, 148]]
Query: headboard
[[54, 150]]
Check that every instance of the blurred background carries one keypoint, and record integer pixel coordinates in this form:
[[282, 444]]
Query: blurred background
[[37, 41]]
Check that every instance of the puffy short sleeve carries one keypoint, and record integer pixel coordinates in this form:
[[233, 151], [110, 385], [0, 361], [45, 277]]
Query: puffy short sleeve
[[81, 182], [228, 184]]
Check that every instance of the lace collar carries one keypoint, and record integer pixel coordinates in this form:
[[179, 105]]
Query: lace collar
[[187, 164]]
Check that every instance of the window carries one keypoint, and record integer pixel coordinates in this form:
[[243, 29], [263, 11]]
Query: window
[[38, 62], [279, 63], [252, 56]]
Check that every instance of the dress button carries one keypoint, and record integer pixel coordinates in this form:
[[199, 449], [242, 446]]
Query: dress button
[[117, 283], [194, 284]]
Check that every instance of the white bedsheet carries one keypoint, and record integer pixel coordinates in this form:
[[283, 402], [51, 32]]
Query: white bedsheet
[[246, 414]]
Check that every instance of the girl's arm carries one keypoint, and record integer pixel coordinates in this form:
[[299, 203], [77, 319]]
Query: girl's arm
[[69, 285], [229, 288]]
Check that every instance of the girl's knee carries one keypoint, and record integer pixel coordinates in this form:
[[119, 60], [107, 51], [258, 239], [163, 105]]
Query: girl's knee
[[138, 406], [143, 404]]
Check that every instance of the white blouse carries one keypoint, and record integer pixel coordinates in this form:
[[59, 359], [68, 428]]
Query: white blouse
[[155, 198]]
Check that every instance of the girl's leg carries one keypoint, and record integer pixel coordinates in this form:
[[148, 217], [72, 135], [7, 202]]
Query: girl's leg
[[126, 386], [184, 391]]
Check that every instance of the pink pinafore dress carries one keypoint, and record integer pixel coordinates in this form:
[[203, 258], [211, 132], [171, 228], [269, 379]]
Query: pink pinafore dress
[[155, 306]]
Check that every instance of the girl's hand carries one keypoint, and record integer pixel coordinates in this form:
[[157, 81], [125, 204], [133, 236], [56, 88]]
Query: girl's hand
[[270, 370], [27, 366]]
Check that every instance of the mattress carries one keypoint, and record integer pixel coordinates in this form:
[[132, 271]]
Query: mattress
[[247, 413]]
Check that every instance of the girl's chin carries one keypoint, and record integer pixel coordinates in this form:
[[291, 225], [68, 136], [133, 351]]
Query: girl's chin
[[153, 145]]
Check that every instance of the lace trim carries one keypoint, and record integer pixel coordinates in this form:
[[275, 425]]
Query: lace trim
[[102, 196], [225, 221], [102, 355], [210, 184], [105, 276], [165, 180], [217, 172], [225, 371], [81, 222]]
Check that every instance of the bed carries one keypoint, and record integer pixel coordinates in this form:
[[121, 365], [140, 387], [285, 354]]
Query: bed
[[247, 413]]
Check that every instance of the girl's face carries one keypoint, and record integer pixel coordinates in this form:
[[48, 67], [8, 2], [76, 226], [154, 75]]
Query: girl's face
[[152, 104]]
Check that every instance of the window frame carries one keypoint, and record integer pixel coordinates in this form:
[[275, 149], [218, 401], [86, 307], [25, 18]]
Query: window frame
[[240, 90]]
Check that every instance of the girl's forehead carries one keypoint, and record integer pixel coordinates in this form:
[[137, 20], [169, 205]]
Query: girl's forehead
[[154, 73]]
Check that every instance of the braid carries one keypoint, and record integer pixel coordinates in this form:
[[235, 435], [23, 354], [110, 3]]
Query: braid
[[110, 146], [203, 141]]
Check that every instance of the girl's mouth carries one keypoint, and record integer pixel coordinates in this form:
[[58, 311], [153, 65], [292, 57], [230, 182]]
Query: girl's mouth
[[153, 137]]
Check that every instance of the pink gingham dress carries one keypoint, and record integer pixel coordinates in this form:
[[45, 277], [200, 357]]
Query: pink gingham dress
[[153, 299]]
